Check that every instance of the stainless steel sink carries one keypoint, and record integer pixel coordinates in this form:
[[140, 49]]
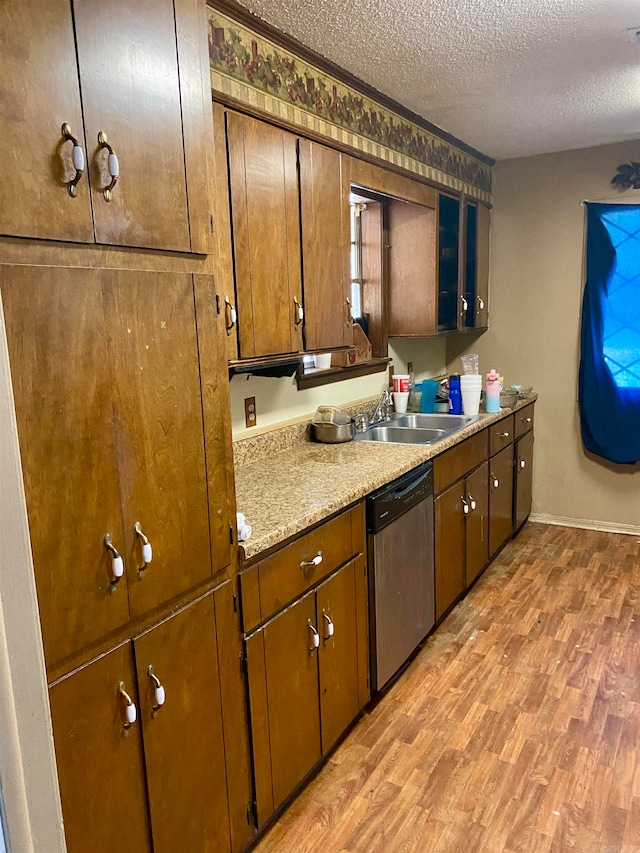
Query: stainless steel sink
[[416, 429]]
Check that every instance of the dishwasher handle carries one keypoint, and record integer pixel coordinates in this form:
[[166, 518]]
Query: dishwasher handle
[[409, 488]]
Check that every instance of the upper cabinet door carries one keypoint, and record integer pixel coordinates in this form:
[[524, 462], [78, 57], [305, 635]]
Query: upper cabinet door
[[266, 234], [326, 241], [449, 301], [153, 350], [475, 269], [128, 62], [63, 397], [39, 92]]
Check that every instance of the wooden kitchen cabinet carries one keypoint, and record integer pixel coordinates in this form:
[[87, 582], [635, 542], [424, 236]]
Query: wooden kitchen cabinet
[[523, 490], [411, 230], [500, 499], [108, 787], [303, 684], [475, 266], [132, 73], [461, 518], [326, 245], [265, 212], [106, 383], [448, 254]]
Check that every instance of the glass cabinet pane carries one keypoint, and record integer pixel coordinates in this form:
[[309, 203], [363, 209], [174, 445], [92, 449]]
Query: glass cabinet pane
[[448, 255], [471, 262]]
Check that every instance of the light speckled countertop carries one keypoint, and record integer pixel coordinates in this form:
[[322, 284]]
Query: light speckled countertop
[[286, 483]]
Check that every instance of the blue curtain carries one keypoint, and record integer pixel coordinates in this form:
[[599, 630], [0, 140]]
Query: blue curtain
[[609, 379]]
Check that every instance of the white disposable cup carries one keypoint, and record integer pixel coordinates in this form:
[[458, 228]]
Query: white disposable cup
[[401, 382], [471, 382], [400, 399], [470, 400], [323, 362]]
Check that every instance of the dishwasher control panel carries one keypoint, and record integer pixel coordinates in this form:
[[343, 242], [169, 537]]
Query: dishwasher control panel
[[394, 499]]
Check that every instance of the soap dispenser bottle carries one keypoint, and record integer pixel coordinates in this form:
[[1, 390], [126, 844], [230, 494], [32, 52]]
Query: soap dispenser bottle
[[492, 398]]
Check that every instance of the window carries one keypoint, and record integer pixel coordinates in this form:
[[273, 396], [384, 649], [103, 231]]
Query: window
[[609, 380], [356, 259]]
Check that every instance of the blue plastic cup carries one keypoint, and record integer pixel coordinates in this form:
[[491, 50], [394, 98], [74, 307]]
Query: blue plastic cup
[[429, 390]]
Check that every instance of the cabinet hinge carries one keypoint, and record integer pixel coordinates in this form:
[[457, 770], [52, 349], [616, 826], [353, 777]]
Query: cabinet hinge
[[252, 813], [213, 229], [217, 304]]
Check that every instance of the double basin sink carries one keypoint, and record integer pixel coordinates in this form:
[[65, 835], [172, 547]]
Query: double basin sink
[[416, 429]]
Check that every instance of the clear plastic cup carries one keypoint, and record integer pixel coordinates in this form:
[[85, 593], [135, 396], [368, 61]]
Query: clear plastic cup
[[470, 363]]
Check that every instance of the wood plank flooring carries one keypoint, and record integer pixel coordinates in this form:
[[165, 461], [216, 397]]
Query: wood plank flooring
[[516, 728]]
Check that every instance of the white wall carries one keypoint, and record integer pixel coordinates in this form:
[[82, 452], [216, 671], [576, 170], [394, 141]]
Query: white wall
[[278, 401], [536, 284]]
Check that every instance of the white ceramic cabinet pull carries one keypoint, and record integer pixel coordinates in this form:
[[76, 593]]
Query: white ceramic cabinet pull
[[496, 482], [526, 420], [147, 551], [113, 166], [78, 160], [329, 626], [522, 463], [305, 564], [231, 317], [131, 712], [472, 502], [480, 303], [465, 505], [299, 312], [465, 304], [117, 563], [159, 694], [315, 637]]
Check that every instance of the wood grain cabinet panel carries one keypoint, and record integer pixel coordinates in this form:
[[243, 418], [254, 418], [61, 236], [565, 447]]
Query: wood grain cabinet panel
[[524, 420], [450, 546], [477, 522], [56, 332], [523, 491], [106, 374], [263, 180], [500, 499], [131, 72], [183, 738], [326, 242], [501, 434], [100, 761]]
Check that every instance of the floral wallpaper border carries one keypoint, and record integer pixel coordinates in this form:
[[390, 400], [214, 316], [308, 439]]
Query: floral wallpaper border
[[252, 69]]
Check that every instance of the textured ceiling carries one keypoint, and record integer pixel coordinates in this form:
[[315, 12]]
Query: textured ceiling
[[510, 77]]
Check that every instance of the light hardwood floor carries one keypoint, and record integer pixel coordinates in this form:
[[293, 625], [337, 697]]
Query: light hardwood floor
[[516, 728]]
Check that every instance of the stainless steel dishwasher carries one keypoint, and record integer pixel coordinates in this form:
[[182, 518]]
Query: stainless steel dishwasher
[[400, 548]]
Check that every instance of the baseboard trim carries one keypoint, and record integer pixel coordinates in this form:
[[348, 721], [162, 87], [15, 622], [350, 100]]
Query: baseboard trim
[[586, 524]]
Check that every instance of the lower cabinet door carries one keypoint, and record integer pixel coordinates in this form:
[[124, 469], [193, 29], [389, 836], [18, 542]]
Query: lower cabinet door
[[336, 620], [500, 499], [282, 665], [477, 522], [450, 546], [99, 756], [180, 711], [524, 479]]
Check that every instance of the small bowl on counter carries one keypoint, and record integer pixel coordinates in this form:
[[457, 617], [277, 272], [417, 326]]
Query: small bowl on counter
[[333, 433], [508, 399]]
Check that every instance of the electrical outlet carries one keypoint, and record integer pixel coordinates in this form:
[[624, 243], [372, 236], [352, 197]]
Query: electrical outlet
[[250, 418]]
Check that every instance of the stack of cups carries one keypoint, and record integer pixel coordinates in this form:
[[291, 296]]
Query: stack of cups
[[400, 391], [470, 388]]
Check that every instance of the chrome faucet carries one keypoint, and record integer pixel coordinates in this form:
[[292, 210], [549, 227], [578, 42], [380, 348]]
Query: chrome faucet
[[382, 411]]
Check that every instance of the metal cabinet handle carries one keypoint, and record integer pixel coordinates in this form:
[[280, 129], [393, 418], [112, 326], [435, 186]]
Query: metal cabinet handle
[[496, 481], [315, 638], [298, 315], [472, 502], [523, 464], [330, 627], [307, 564], [117, 563], [480, 304], [78, 160], [147, 551], [231, 315], [465, 505], [113, 165], [130, 710], [159, 694]]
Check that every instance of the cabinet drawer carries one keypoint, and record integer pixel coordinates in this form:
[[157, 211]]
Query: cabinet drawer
[[524, 420], [501, 435], [287, 574], [455, 463]]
